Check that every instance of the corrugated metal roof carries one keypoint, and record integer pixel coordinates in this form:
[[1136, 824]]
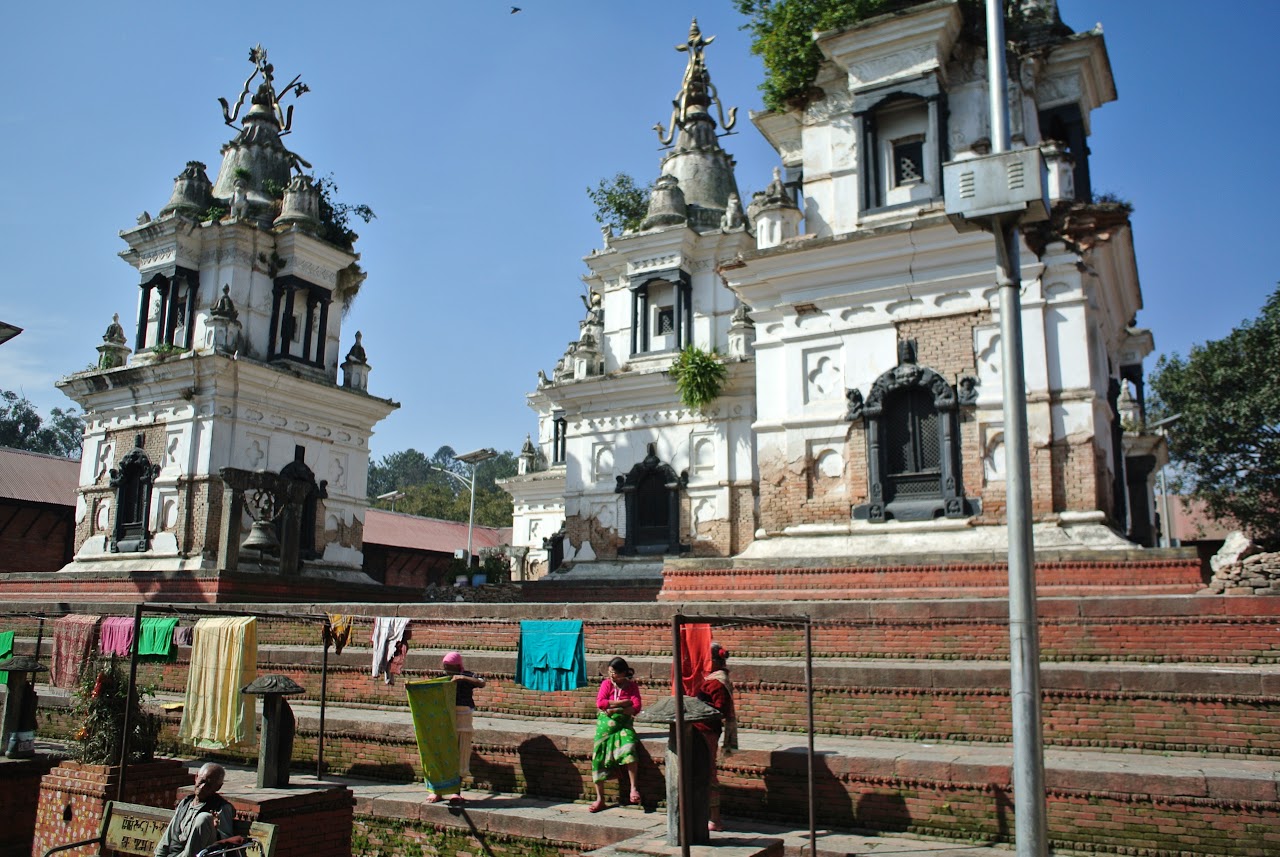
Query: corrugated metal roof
[[396, 529], [35, 478]]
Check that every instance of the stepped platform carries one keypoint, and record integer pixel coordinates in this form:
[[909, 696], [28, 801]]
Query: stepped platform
[[970, 574], [1161, 711]]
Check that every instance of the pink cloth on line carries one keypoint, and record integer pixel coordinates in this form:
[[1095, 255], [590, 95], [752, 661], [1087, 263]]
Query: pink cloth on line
[[73, 638], [115, 637]]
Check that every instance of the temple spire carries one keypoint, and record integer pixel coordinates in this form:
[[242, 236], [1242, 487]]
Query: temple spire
[[256, 155], [703, 172], [697, 93]]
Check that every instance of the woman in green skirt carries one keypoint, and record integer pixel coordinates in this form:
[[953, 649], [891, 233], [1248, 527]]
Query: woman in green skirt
[[615, 744]]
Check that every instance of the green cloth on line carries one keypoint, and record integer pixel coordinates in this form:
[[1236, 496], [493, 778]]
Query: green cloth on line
[[6, 649], [155, 639], [432, 702]]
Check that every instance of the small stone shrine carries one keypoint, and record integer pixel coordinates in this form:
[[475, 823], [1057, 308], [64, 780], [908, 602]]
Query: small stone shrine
[[232, 368]]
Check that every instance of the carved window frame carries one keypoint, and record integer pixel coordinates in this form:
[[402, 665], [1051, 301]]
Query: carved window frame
[[133, 480], [682, 309], [628, 486], [907, 375]]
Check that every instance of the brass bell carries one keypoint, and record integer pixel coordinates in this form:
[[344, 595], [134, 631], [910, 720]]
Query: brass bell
[[262, 538]]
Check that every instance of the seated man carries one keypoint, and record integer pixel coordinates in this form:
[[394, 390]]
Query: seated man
[[201, 819]]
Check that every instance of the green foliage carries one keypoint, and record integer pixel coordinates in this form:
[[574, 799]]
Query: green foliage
[[100, 703], [214, 213], [433, 494], [620, 203], [496, 567], [273, 188], [243, 174], [1227, 442], [22, 427], [335, 217], [783, 36], [699, 375]]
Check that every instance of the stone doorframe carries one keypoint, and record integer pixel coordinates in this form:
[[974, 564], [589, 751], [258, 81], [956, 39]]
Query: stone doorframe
[[673, 483], [950, 501]]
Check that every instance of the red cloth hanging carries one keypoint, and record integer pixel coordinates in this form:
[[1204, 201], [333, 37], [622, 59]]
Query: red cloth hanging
[[695, 657]]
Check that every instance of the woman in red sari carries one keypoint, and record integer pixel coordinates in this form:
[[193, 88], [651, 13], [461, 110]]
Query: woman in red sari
[[717, 691]]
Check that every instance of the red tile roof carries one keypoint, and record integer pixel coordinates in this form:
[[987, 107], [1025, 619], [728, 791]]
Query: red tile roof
[[31, 477], [396, 529]]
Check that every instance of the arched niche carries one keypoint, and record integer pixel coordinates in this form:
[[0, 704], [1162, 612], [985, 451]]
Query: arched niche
[[651, 491]]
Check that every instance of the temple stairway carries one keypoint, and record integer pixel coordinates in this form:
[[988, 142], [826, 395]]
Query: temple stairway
[[1161, 712]]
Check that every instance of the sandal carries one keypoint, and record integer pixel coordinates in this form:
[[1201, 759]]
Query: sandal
[[596, 806], [635, 797]]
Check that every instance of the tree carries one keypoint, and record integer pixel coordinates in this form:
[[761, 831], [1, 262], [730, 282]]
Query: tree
[[432, 494], [783, 36], [398, 471], [22, 427], [620, 203], [1227, 441]]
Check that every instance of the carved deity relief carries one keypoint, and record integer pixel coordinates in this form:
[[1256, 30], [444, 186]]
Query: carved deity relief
[[255, 454], [338, 471], [823, 380], [102, 515], [993, 464], [106, 457]]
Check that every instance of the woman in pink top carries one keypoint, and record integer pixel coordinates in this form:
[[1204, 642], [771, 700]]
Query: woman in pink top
[[615, 742]]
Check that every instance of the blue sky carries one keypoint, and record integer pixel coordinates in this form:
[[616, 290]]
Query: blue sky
[[473, 133]]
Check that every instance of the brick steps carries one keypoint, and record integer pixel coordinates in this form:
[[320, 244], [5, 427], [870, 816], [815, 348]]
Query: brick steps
[[1177, 803], [957, 577]]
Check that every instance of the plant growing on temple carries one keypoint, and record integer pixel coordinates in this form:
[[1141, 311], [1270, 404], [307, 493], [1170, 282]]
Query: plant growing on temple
[[335, 217], [699, 375], [620, 203], [1226, 442], [100, 704], [783, 31]]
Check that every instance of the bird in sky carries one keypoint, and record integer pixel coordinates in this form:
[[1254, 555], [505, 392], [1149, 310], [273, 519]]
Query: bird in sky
[[515, 9]]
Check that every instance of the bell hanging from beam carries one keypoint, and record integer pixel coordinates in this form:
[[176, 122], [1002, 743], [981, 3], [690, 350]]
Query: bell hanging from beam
[[262, 538]]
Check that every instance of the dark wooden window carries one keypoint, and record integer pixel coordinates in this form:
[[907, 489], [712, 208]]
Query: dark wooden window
[[908, 162]]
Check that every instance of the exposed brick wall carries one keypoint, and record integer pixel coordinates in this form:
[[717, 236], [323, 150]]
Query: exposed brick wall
[[605, 542], [36, 537], [309, 823], [73, 797], [199, 515], [729, 533], [20, 795], [945, 343]]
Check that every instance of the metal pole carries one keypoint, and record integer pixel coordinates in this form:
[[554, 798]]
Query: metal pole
[[1031, 835], [471, 519], [808, 693], [128, 706], [324, 688], [677, 690]]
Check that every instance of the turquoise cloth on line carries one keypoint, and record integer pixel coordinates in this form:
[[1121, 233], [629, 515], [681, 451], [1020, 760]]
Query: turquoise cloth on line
[[155, 639], [433, 704], [6, 649], [551, 655]]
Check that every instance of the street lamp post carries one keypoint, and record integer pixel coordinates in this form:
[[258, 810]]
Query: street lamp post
[[473, 458]]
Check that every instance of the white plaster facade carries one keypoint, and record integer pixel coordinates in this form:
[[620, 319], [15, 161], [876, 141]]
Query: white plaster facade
[[878, 264]]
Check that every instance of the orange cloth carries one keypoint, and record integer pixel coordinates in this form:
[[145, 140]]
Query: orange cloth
[[695, 656]]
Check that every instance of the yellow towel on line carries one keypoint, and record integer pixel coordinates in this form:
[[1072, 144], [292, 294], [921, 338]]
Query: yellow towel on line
[[224, 658]]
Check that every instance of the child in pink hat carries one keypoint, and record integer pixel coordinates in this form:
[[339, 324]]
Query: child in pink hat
[[467, 682]]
